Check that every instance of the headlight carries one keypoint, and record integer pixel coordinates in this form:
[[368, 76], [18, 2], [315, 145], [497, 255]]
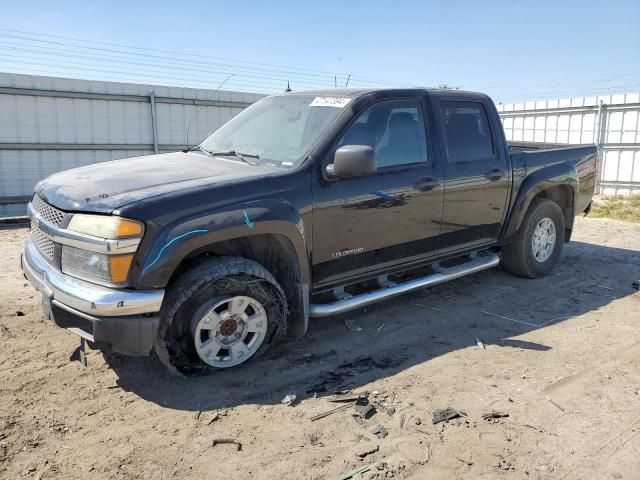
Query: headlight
[[105, 227], [109, 269], [96, 267]]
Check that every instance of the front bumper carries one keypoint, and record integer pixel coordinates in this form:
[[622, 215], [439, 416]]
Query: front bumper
[[125, 320]]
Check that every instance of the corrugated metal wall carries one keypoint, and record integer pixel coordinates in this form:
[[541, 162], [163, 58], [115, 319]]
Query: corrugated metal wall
[[611, 121], [50, 124]]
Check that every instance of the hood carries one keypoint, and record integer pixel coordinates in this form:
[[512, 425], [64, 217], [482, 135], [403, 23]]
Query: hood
[[104, 187]]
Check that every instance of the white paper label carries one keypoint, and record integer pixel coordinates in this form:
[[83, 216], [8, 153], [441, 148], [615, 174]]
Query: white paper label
[[338, 102]]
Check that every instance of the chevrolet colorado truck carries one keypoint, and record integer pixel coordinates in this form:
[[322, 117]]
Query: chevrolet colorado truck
[[306, 204]]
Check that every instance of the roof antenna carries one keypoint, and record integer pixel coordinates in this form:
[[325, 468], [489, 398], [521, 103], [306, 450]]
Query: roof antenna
[[198, 111], [288, 89]]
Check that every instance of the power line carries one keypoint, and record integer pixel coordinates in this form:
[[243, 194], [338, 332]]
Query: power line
[[149, 74], [124, 77], [52, 54], [236, 64]]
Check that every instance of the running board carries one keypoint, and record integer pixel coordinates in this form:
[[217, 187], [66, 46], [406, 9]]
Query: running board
[[476, 264]]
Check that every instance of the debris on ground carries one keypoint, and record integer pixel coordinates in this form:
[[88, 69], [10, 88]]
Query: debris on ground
[[336, 379], [379, 431], [314, 357], [352, 326], [504, 465], [418, 421], [368, 451], [330, 412], [342, 398], [480, 344], [445, 414], [19, 313], [227, 441], [494, 416], [289, 400], [314, 439], [463, 460], [403, 418], [214, 418], [353, 473], [364, 409], [554, 404]]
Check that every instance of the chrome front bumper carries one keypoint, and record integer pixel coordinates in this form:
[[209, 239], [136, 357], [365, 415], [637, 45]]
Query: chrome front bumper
[[84, 296], [125, 319]]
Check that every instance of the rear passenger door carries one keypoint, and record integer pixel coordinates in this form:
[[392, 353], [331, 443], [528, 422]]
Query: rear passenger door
[[476, 175]]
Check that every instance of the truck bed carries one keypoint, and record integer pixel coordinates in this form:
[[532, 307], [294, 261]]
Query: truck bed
[[584, 160]]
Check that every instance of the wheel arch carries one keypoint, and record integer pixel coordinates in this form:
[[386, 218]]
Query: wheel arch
[[273, 251], [557, 183], [270, 232]]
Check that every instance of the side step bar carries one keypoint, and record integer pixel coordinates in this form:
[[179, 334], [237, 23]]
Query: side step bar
[[476, 264]]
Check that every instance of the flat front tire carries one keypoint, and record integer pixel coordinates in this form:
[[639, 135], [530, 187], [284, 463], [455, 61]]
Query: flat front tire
[[536, 247], [219, 314]]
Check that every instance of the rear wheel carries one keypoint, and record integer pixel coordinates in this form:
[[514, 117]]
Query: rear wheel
[[538, 244], [220, 314]]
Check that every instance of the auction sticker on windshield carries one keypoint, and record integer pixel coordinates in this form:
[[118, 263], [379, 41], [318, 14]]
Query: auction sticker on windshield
[[330, 102]]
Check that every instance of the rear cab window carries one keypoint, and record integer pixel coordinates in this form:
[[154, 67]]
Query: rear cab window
[[467, 131]]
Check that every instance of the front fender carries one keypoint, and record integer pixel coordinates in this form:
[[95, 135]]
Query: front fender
[[560, 174], [158, 259]]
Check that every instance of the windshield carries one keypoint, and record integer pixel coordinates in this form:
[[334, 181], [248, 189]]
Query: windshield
[[278, 130]]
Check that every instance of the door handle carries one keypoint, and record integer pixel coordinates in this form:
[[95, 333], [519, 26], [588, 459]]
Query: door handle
[[493, 175], [425, 184]]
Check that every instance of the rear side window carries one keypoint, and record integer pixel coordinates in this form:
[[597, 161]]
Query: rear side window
[[467, 131]]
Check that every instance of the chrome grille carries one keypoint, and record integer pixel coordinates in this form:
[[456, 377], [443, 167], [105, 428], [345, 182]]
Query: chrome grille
[[42, 242], [47, 212]]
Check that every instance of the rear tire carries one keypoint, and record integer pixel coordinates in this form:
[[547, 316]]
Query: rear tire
[[219, 314], [536, 247]]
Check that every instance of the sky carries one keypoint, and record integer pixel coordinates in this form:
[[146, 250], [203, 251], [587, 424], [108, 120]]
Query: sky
[[512, 50]]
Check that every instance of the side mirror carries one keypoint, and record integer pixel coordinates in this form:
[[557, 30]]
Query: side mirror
[[353, 161]]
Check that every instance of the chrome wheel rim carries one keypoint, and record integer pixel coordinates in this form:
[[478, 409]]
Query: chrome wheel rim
[[231, 331], [544, 240]]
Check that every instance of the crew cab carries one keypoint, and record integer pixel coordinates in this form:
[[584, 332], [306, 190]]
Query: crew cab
[[306, 204]]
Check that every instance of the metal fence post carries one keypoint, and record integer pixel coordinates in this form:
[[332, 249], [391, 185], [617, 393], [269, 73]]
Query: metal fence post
[[601, 135], [154, 120]]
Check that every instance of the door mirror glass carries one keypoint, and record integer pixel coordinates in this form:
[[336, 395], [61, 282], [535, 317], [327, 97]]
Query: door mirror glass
[[353, 161]]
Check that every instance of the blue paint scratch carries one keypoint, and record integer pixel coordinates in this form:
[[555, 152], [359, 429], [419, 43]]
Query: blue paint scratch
[[168, 245], [247, 220]]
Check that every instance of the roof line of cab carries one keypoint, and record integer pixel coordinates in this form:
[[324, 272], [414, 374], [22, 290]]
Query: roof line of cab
[[360, 92]]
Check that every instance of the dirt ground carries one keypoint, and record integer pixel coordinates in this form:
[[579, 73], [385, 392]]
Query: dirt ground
[[561, 358]]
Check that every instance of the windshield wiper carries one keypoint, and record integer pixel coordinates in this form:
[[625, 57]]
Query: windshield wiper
[[241, 156], [201, 148]]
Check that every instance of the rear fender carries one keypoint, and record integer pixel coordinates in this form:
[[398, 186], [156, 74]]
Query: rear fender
[[560, 174]]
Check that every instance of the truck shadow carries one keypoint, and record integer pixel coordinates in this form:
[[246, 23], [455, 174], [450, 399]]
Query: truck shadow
[[490, 308]]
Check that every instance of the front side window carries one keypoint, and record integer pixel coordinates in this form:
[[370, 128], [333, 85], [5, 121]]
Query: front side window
[[278, 130], [467, 131], [395, 130]]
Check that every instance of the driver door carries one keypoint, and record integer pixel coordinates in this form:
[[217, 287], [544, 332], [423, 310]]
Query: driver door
[[366, 224]]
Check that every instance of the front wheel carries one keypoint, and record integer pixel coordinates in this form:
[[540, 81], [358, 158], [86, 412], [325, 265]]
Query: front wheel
[[537, 245], [220, 314]]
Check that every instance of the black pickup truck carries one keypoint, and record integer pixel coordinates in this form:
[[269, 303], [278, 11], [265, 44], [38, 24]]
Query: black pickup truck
[[306, 204]]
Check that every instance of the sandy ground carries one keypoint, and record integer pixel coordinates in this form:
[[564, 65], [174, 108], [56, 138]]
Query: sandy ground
[[562, 359]]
